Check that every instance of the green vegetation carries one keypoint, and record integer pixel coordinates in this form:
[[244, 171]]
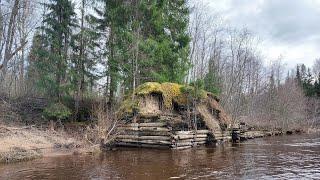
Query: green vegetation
[[57, 111], [170, 92], [309, 83]]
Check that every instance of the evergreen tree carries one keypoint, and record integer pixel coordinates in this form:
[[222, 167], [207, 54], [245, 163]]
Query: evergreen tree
[[146, 41], [85, 55], [317, 86], [307, 84], [166, 41], [57, 31], [304, 79]]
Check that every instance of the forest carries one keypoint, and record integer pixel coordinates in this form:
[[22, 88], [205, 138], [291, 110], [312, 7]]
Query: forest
[[60, 59]]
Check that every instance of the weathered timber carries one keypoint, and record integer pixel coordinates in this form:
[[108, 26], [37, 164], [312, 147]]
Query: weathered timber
[[200, 136], [200, 139], [202, 131], [162, 129], [182, 147], [178, 144], [137, 137], [184, 136], [144, 125], [130, 144], [200, 142], [146, 133], [147, 141], [184, 132]]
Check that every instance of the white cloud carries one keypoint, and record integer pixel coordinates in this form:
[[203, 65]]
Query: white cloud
[[290, 28]]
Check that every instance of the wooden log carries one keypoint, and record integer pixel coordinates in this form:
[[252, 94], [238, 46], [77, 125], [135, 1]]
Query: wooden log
[[178, 144], [125, 128], [128, 144], [201, 136], [182, 147], [146, 141], [155, 146], [200, 139], [144, 125], [184, 133], [125, 144], [161, 129], [184, 141], [160, 138], [205, 131], [146, 133], [200, 142], [183, 136]]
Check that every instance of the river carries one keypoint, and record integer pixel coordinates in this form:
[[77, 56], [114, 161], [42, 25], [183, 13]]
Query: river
[[282, 157]]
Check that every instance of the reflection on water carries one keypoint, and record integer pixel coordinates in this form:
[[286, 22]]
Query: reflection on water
[[286, 157]]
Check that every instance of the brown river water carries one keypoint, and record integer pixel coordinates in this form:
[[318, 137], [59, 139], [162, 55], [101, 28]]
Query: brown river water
[[283, 157]]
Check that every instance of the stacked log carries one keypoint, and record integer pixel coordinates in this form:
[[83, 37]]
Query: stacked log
[[159, 135], [150, 135], [188, 139]]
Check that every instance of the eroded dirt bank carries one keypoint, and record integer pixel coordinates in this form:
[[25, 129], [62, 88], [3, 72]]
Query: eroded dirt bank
[[27, 143]]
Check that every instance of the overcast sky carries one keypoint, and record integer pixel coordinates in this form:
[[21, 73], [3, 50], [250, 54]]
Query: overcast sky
[[290, 28]]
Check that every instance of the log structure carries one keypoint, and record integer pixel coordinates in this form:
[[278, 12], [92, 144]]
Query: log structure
[[161, 135], [170, 115]]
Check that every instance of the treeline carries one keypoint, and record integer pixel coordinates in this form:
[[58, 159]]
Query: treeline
[[73, 52]]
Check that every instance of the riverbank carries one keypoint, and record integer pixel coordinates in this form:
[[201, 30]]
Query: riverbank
[[27, 143], [274, 157]]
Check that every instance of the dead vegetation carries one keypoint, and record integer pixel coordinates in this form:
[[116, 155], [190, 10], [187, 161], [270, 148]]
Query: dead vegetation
[[25, 143]]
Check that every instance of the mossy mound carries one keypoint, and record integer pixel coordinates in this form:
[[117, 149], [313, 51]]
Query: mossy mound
[[170, 93]]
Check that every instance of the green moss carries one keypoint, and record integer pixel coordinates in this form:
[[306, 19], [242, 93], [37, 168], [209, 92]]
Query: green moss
[[170, 92]]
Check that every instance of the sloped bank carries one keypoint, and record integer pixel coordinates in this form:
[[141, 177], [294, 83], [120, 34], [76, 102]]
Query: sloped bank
[[27, 143]]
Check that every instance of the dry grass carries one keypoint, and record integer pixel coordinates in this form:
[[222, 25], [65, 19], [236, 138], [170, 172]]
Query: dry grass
[[18, 144]]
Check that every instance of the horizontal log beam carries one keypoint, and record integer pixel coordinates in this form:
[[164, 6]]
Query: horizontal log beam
[[160, 138], [184, 133], [183, 136], [202, 131], [161, 129], [145, 133], [146, 141], [178, 144], [144, 125], [182, 147], [125, 144]]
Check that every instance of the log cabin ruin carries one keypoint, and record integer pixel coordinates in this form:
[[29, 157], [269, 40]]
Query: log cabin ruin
[[170, 115]]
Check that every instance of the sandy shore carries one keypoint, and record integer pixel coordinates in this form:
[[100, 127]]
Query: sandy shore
[[27, 143]]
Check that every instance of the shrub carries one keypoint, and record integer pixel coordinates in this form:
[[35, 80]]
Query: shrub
[[57, 111]]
